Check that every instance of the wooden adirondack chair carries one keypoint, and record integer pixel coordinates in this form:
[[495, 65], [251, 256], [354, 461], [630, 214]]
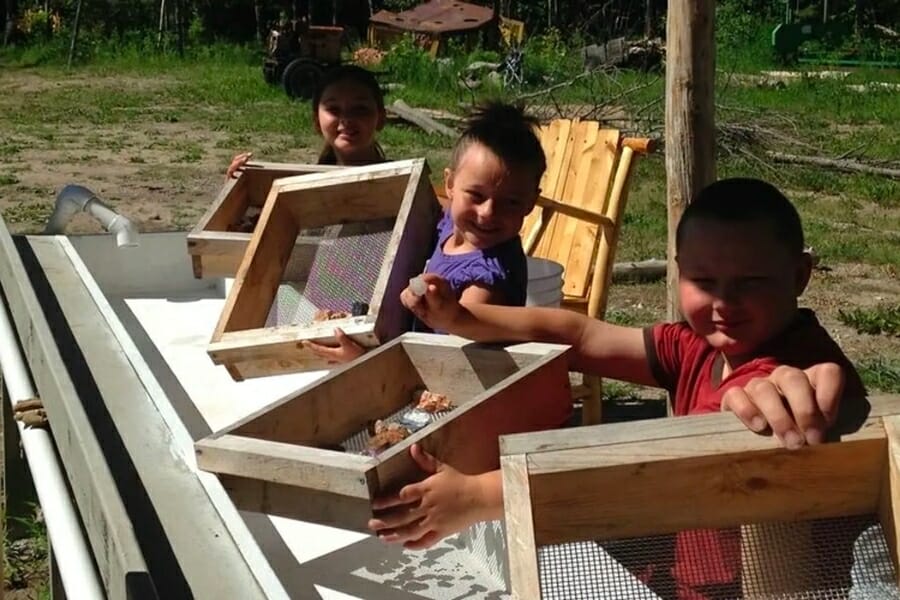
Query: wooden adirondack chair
[[577, 219]]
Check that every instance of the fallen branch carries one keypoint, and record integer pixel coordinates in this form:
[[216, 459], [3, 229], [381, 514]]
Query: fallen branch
[[651, 269], [847, 165], [416, 117], [654, 269], [552, 88]]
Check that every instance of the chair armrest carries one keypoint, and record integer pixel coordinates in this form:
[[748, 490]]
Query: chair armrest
[[574, 211]]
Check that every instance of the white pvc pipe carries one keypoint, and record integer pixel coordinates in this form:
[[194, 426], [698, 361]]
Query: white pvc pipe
[[73, 559], [73, 199]]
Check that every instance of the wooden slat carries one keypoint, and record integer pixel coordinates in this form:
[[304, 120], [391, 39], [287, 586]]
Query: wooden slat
[[889, 499], [725, 490], [351, 201], [254, 495], [408, 250], [588, 190], [259, 275], [713, 424], [562, 158], [339, 405], [228, 207], [536, 397], [288, 464], [520, 541], [554, 139]]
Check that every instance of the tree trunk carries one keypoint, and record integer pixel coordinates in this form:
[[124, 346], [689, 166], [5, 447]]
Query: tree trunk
[[74, 41], [649, 19], [690, 116], [9, 28], [260, 26]]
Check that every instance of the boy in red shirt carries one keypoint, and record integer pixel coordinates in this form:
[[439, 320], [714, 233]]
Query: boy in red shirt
[[745, 346]]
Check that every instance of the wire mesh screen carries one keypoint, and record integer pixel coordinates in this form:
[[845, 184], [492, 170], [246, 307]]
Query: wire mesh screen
[[341, 277], [843, 558]]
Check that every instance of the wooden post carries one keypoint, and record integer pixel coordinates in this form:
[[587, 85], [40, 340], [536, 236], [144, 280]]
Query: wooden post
[[690, 120]]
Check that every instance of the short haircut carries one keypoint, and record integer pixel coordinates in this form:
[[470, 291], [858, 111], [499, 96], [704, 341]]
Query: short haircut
[[352, 73], [507, 132], [745, 200]]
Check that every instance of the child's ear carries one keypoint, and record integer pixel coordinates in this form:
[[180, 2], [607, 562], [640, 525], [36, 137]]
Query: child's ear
[[803, 273], [448, 181], [382, 119]]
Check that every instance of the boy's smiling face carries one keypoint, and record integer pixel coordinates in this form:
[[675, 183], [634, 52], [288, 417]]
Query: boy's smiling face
[[738, 285], [488, 198]]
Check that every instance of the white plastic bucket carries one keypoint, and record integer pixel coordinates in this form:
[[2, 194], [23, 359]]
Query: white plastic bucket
[[544, 282]]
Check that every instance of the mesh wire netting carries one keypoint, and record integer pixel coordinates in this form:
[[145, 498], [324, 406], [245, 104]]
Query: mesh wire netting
[[344, 270], [359, 442], [844, 558]]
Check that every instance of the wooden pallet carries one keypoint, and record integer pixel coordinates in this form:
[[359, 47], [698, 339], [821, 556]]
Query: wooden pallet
[[650, 478], [216, 249], [398, 190], [273, 461]]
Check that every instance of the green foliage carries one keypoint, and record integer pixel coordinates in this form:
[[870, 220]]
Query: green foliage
[[880, 374], [406, 61], [547, 57], [25, 558], [742, 37], [883, 319]]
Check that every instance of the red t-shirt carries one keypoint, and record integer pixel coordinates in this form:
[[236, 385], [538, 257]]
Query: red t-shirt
[[684, 364], [707, 562]]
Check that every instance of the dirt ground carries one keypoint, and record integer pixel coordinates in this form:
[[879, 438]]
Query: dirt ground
[[137, 168]]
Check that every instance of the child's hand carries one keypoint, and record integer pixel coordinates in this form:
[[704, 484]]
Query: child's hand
[[799, 405], [344, 352], [437, 307], [423, 513], [237, 164]]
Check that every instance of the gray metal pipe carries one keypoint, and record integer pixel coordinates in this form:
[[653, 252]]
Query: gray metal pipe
[[73, 199]]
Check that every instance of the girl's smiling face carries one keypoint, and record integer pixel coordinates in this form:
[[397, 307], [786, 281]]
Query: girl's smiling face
[[348, 117], [488, 198]]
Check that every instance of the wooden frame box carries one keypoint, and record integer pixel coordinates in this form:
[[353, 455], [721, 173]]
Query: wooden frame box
[[215, 245], [399, 191], [275, 460], [649, 478]]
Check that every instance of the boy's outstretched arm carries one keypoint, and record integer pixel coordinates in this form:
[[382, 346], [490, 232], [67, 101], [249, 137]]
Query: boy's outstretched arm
[[798, 405], [599, 348]]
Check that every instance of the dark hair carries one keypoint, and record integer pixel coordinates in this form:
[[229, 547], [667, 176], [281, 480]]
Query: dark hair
[[743, 200], [508, 132], [338, 74], [352, 73]]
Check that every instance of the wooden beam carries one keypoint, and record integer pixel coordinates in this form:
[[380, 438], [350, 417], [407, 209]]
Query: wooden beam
[[288, 464], [520, 540], [889, 502], [614, 481], [690, 116]]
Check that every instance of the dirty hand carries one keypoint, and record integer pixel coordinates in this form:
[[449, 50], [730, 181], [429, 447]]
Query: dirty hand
[[345, 351], [237, 164], [437, 307], [798, 405], [423, 513]]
